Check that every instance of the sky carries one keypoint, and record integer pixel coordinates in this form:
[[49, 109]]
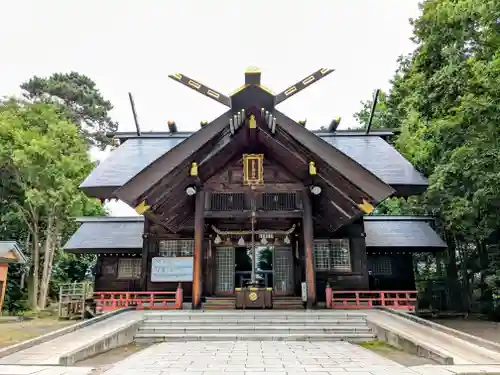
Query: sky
[[132, 46]]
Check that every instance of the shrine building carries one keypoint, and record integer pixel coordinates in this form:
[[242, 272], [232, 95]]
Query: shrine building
[[254, 197]]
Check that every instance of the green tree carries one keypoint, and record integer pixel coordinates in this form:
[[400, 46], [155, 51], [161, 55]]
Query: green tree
[[444, 99], [79, 99], [44, 159]]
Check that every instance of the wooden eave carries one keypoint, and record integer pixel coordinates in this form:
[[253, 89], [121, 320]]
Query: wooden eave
[[173, 209], [335, 159], [197, 144]]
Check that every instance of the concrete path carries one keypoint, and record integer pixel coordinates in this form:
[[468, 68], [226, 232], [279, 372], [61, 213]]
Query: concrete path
[[43, 370], [49, 352], [462, 352]]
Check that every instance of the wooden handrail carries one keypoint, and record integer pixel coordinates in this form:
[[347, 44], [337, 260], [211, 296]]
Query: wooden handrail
[[109, 301], [366, 299]]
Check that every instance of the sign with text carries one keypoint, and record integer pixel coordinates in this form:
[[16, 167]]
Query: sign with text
[[165, 269]]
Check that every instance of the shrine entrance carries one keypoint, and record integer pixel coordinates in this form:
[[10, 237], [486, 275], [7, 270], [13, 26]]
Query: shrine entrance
[[274, 268]]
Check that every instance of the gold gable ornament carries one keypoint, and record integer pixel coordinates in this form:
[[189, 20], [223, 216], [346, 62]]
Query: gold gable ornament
[[253, 169]]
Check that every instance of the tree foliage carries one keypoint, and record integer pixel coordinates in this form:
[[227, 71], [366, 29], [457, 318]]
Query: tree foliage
[[43, 161], [79, 99], [445, 100]]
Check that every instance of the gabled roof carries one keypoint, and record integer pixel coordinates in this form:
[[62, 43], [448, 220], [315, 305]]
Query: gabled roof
[[124, 234], [136, 153], [401, 231], [10, 252]]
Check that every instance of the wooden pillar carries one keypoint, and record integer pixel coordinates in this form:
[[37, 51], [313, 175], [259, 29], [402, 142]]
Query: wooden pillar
[[308, 234], [199, 226], [144, 256]]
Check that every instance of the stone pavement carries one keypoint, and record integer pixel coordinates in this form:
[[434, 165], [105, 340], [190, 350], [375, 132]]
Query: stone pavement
[[43, 370], [265, 358], [49, 352], [254, 358]]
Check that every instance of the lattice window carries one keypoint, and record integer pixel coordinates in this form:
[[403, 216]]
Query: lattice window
[[129, 268], [278, 201], [176, 248], [227, 201], [333, 254], [224, 258], [381, 267]]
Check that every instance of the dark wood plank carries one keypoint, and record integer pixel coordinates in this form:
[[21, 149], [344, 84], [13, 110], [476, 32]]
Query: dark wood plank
[[351, 170]]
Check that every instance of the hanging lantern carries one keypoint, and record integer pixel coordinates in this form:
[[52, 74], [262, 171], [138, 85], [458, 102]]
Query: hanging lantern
[[217, 240], [263, 241], [241, 242], [276, 241], [287, 240]]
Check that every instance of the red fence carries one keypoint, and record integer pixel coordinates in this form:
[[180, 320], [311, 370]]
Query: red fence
[[109, 301], [394, 299]]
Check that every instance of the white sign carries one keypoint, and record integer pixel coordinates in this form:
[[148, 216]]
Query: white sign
[[303, 288], [165, 269]]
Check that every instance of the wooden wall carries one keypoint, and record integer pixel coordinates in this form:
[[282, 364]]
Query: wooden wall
[[402, 276], [106, 275], [357, 279]]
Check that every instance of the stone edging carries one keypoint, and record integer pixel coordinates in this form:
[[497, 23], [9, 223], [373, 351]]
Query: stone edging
[[450, 331], [60, 332], [120, 336], [402, 341]]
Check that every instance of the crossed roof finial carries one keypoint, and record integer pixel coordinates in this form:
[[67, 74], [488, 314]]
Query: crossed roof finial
[[252, 93]]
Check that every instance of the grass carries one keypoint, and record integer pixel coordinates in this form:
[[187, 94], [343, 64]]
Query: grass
[[378, 346], [13, 332]]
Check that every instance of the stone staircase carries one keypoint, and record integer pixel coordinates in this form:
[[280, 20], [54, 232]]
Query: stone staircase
[[256, 325], [219, 303], [229, 303]]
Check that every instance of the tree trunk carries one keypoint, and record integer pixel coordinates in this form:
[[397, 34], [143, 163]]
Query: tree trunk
[[47, 266], [36, 267]]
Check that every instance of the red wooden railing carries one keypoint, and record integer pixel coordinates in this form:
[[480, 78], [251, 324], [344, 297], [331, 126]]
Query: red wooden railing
[[365, 299], [109, 301]]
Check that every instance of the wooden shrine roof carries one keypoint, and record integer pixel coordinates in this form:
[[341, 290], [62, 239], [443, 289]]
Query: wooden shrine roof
[[401, 231], [136, 153], [11, 253], [124, 234], [107, 234]]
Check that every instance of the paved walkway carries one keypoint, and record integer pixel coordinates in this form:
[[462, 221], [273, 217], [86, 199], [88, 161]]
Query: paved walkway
[[268, 358], [254, 358], [43, 370], [49, 352]]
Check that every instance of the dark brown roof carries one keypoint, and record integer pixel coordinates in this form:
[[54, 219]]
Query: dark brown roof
[[124, 234], [136, 153]]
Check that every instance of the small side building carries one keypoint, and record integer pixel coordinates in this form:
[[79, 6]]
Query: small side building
[[9, 253]]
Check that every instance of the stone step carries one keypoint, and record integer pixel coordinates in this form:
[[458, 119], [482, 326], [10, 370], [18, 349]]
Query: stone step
[[254, 314], [246, 329], [355, 337], [245, 321]]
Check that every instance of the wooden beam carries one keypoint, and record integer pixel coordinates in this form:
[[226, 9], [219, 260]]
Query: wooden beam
[[201, 88], [199, 227], [302, 84], [308, 234], [295, 214], [340, 200], [354, 172]]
